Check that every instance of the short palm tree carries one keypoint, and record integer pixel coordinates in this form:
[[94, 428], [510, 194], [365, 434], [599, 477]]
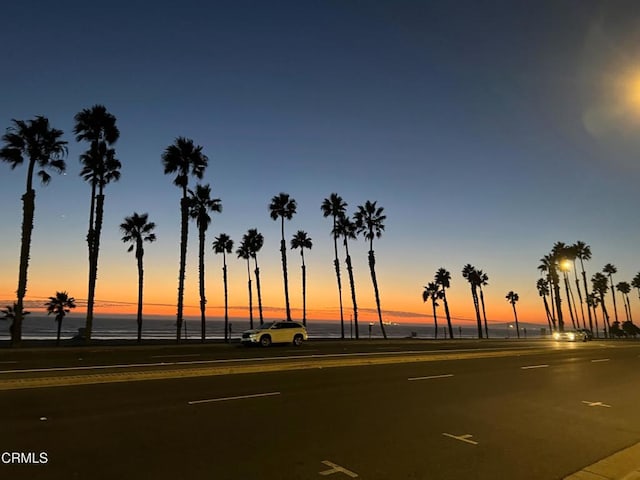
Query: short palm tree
[[136, 230], [184, 159], [200, 204], [61, 304], [369, 221], [512, 298], [543, 290], [484, 281], [223, 244], [346, 229], [583, 253], [244, 252], [470, 273], [9, 314], [443, 281], [39, 143], [600, 285], [610, 269], [254, 242], [302, 240], [624, 288], [283, 207], [97, 127], [432, 292], [335, 207]]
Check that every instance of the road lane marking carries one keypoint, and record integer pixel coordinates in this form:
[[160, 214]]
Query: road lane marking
[[462, 438], [529, 367], [447, 375], [240, 397], [9, 361], [600, 360], [336, 469], [596, 404], [176, 356]]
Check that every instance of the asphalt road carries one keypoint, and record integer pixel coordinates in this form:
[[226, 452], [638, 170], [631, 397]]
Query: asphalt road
[[472, 410]]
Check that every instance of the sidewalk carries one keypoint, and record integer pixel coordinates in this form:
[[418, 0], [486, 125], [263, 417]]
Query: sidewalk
[[624, 465]]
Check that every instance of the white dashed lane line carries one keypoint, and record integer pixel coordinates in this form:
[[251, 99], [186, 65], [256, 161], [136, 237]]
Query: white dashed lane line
[[240, 397]]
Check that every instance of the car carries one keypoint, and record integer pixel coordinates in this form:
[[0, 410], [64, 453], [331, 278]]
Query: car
[[588, 333], [275, 332], [571, 336]]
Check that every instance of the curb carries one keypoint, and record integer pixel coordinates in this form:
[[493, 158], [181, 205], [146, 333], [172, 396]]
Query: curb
[[623, 465]]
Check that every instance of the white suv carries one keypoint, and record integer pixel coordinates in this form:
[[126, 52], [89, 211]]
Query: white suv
[[276, 332]]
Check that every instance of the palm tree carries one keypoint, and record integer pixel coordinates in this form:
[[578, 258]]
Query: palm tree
[[635, 283], [200, 204], [346, 229], [254, 242], [284, 207], [41, 144], [184, 159], [336, 208], [583, 252], [562, 253], [369, 221], [600, 285], [136, 230], [512, 298], [543, 290], [469, 272], [484, 281], [610, 269], [9, 313], [244, 253], [443, 280], [302, 240], [96, 126], [624, 288], [549, 266], [223, 244], [432, 292], [592, 303], [61, 304]]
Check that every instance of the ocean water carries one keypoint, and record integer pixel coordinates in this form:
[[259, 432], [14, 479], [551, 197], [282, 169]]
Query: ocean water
[[125, 328]]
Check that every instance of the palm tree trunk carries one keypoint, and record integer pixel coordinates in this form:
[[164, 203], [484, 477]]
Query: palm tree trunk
[[353, 289], [257, 272], [549, 316], [613, 294], [605, 316], [474, 296], [226, 299], [283, 251], [372, 267], [203, 299], [59, 321], [595, 317], [556, 291], [435, 319], [586, 294], [336, 264], [184, 234], [93, 265], [139, 255], [28, 210], [628, 307], [575, 274], [515, 314], [304, 289], [446, 311], [250, 296], [484, 314], [566, 287]]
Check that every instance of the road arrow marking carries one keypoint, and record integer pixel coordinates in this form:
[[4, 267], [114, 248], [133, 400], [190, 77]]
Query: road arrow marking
[[462, 438], [337, 469], [431, 377], [596, 404]]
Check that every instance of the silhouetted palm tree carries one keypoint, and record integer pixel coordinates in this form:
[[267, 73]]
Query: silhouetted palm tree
[[223, 244], [136, 230], [470, 273], [512, 298], [38, 142], [369, 221], [432, 292], [284, 207], [346, 229], [610, 269], [484, 281], [9, 314], [592, 303], [443, 280], [302, 240], [549, 266], [184, 159], [244, 252], [61, 304], [561, 254], [254, 242], [335, 207], [96, 126], [583, 252], [635, 283], [543, 290], [624, 288], [600, 285], [200, 204]]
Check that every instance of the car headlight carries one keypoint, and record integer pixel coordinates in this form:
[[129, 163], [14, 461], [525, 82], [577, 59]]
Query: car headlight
[[572, 336], [556, 336]]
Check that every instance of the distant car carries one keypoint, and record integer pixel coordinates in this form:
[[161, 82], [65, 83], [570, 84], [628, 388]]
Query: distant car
[[275, 332], [588, 333], [571, 336]]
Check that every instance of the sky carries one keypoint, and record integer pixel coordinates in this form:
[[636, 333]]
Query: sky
[[487, 131]]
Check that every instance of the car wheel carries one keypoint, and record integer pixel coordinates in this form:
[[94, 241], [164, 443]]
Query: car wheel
[[265, 340], [297, 340]]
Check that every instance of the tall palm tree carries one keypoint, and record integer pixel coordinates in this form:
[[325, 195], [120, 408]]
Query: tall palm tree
[[302, 240], [600, 285], [285, 208], [223, 244], [369, 221], [200, 204], [543, 290], [549, 266], [583, 252], [443, 280], [61, 304], [97, 127], [512, 298], [254, 242], [484, 281], [184, 159], [346, 229], [635, 283], [432, 292], [592, 303], [561, 254], [41, 144], [624, 288], [9, 314], [470, 273], [574, 252], [610, 269], [244, 252], [136, 230], [336, 207]]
